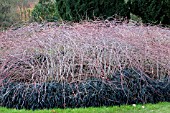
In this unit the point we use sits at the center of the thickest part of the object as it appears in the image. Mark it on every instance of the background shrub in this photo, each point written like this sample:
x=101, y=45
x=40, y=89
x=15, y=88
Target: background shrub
x=45, y=10
x=5, y=13
x=76, y=10
x=152, y=11
x=15, y=11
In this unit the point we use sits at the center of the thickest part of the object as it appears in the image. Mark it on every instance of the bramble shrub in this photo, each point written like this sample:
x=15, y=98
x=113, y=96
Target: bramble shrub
x=152, y=11
x=76, y=10
x=83, y=65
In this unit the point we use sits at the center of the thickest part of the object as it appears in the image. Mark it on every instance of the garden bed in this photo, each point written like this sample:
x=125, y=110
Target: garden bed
x=82, y=65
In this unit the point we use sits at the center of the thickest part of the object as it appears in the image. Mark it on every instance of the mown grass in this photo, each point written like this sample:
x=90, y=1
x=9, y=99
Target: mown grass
x=148, y=108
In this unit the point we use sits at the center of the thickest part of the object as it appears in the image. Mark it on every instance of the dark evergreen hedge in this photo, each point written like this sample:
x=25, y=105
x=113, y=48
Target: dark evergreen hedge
x=76, y=10
x=152, y=11
x=89, y=9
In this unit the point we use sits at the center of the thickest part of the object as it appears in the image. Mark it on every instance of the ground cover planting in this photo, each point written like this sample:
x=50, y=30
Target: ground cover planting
x=83, y=65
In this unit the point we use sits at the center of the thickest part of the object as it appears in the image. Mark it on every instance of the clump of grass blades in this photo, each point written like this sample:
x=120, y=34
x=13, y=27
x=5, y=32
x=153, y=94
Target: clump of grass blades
x=129, y=88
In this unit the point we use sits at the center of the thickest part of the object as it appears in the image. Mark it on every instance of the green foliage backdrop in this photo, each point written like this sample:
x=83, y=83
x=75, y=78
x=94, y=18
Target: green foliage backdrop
x=18, y=11
x=152, y=11
x=45, y=11
x=76, y=10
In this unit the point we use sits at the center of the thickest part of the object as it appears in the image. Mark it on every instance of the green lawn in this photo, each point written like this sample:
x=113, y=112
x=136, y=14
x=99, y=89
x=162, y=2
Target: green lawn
x=148, y=108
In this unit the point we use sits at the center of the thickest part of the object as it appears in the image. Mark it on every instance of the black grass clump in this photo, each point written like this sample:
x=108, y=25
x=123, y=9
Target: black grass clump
x=128, y=86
